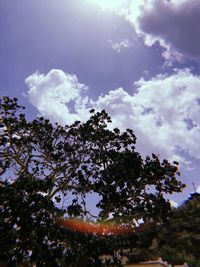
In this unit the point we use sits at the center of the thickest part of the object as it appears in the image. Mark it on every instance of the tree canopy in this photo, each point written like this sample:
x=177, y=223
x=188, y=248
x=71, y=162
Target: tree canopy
x=42, y=163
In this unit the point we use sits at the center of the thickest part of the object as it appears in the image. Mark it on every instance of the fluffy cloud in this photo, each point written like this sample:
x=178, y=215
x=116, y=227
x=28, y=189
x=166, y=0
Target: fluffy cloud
x=164, y=111
x=57, y=96
x=175, y=24
x=172, y=23
x=121, y=45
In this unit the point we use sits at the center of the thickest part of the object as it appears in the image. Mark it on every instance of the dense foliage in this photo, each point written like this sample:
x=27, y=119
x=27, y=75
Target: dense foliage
x=181, y=242
x=42, y=162
x=27, y=226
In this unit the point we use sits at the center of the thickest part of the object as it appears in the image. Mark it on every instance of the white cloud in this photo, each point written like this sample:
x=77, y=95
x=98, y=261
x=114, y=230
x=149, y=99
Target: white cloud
x=129, y=9
x=198, y=189
x=121, y=45
x=172, y=23
x=163, y=112
x=173, y=204
x=111, y=5
x=55, y=93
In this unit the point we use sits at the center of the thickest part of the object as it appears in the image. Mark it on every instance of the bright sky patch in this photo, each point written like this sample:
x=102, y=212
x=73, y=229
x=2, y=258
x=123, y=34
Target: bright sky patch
x=110, y=5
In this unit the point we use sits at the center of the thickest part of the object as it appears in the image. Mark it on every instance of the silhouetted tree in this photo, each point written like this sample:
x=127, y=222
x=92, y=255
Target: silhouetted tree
x=73, y=161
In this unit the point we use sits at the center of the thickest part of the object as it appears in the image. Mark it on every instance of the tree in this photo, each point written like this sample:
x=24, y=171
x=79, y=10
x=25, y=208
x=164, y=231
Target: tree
x=181, y=240
x=82, y=158
x=29, y=233
x=27, y=226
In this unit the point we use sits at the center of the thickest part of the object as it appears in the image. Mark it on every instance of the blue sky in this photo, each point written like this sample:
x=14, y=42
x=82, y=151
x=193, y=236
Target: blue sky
x=138, y=59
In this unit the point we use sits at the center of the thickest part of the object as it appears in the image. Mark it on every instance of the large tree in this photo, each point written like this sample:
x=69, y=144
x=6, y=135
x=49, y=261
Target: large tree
x=83, y=158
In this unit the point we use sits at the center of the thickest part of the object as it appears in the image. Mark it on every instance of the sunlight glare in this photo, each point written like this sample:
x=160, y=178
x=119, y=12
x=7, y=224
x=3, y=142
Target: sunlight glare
x=130, y=9
x=110, y=5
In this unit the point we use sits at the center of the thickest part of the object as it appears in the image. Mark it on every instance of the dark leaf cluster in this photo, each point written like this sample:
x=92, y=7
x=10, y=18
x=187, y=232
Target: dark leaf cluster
x=47, y=164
